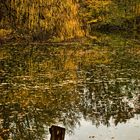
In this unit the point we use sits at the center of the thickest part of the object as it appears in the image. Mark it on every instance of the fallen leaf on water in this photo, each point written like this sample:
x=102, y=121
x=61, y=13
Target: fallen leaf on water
x=91, y=136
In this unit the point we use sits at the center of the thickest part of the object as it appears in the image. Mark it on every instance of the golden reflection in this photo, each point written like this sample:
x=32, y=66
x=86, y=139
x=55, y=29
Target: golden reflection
x=63, y=85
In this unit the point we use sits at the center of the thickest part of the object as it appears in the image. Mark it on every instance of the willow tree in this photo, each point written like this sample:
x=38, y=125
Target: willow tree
x=56, y=18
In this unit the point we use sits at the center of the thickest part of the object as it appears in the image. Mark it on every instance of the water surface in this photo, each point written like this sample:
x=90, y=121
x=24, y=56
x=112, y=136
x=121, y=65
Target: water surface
x=92, y=90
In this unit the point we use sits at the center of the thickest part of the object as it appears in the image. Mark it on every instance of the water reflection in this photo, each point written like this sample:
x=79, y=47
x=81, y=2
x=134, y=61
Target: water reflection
x=45, y=85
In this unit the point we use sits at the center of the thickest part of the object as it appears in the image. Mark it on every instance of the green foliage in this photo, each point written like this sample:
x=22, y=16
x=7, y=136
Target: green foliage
x=65, y=19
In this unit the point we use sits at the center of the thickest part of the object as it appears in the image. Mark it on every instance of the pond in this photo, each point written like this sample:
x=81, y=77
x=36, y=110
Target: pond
x=91, y=89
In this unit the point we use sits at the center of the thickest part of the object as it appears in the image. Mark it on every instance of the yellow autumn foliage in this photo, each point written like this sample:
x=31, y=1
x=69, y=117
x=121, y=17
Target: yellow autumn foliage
x=4, y=32
x=64, y=19
x=57, y=17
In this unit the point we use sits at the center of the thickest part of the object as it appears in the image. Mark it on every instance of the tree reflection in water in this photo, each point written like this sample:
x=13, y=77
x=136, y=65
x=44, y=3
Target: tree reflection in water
x=42, y=85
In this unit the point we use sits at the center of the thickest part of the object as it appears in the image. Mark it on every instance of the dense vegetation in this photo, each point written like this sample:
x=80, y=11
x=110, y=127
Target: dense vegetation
x=65, y=19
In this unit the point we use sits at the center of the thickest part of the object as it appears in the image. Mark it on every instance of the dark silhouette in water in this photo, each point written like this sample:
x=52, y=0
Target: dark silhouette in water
x=1, y=41
x=57, y=133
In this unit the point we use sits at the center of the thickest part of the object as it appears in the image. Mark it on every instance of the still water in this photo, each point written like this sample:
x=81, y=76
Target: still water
x=91, y=89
